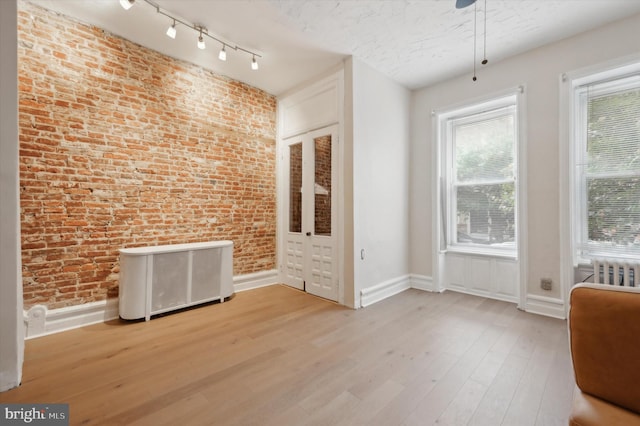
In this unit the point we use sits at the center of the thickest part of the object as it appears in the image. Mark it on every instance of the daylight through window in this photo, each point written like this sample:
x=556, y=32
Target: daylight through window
x=608, y=167
x=480, y=142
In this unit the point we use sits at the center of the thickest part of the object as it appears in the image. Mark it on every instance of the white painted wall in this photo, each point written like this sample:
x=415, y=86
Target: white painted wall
x=539, y=70
x=11, y=317
x=380, y=115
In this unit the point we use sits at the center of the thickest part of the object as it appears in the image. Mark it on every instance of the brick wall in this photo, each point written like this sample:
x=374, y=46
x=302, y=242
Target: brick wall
x=121, y=146
x=322, y=147
x=322, y=170
x=295, y=186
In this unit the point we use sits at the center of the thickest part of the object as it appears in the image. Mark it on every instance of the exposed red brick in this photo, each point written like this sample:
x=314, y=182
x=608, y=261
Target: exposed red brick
x=121, y=146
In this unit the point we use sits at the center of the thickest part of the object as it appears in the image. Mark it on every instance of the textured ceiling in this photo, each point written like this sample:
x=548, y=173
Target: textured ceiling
x=415, y=42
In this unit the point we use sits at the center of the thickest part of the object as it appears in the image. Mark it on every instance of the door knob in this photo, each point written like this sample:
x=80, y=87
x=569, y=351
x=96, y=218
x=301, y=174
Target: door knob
x=308, y=234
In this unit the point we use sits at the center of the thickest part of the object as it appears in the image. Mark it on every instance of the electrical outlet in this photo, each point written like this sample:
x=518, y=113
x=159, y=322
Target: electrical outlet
x=546, y=283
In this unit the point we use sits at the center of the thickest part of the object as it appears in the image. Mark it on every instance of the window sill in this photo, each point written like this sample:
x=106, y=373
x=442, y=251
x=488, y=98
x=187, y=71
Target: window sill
x=613, y=256
x=500, y=254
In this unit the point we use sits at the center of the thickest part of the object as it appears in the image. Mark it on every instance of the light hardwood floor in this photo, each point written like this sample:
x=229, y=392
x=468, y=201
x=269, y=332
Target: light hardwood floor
x=277, y=356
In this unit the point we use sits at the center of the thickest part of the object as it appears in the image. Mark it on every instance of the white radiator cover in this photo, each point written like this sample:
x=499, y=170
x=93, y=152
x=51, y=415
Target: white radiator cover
x=622, y=272
x=159, y=279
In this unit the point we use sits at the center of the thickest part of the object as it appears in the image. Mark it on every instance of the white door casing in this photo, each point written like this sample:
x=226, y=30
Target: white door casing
x=310, y=212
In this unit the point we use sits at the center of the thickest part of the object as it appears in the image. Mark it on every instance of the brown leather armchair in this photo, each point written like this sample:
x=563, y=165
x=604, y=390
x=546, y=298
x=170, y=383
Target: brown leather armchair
x=604, y=336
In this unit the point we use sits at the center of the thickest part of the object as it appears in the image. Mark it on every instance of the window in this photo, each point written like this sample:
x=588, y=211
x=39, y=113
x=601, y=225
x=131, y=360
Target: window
x=606, y=143
x=479, y=143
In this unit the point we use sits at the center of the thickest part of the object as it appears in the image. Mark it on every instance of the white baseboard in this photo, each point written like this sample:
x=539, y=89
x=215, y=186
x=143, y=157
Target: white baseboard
x=40, y=321
x=422, y=282
x=541, y=305
x=547, y=306
x=255, y=280
x=378, y=292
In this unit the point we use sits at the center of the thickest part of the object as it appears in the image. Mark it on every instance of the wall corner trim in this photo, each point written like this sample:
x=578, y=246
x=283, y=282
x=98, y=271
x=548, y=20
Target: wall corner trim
x=423, y=282
x=547, y=306
x=378, y=292
x=255, y=280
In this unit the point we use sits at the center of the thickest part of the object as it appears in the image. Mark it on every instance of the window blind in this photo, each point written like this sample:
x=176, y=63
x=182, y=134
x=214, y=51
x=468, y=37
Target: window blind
x=484, y=177
x=610, y=168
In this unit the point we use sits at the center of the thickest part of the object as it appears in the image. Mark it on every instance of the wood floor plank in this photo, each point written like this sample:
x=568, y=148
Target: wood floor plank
x=369, y=406
x=498, y=397
x=278, y=356
x=174, y=413
x=558, y=393
x=463, y=405
x=415, y=392
x=525, y=404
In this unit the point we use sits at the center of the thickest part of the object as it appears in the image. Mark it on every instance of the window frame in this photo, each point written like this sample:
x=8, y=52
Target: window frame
x=599, y=83
x=475, y=112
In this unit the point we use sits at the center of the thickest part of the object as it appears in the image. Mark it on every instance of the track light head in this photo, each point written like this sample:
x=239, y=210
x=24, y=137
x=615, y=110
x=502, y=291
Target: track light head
x=201, y=44
x=223, y=53
x=126, y=4
x=171, y=31
x=254, y=63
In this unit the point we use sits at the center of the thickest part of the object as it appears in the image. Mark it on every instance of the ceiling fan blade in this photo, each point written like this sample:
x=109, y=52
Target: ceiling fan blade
x=460, y=4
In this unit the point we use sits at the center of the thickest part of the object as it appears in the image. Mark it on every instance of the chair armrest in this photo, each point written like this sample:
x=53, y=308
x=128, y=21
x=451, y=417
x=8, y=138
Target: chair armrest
x=591, y=411
x=604, y=337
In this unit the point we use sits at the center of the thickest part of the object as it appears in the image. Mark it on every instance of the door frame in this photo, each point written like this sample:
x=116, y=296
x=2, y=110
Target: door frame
x=306, y=240
x=314, y=105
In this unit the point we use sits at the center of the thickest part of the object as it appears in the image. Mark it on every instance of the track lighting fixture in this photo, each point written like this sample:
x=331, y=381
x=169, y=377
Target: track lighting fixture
x=171, y=31
x=126, y=4
x=200, y=29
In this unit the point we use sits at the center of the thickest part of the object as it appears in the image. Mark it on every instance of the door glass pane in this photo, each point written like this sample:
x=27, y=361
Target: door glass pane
x=295, y=187
x=322, y=190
